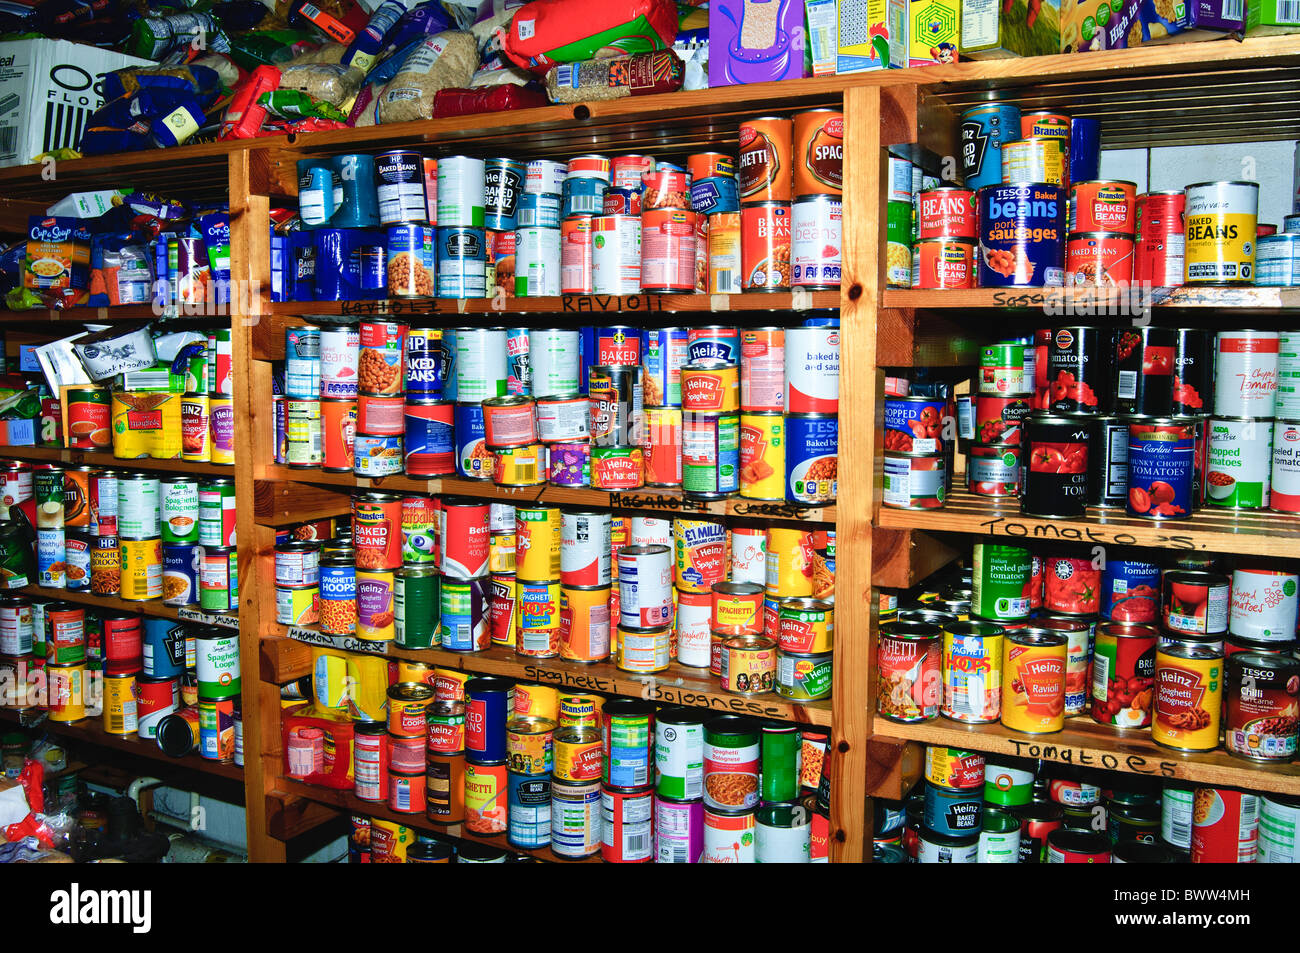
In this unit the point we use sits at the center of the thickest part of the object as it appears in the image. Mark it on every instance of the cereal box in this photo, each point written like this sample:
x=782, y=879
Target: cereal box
x=873, y=35
x=823, y=35
x=995, y=29
x=1099, y=25
x=1272, y=16
x=756, y=41
x=57, y=264
x=932, y=31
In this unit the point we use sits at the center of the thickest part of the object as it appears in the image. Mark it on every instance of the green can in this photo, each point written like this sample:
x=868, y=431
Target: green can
x=1003, y=372
x=1000, y=582
x=679, y=753
x=219, y=579
x=416, y=607
x=179, y=499
x=38, y=626
x=898, y=222
x=710, y=454
x=1000, y=838
x=16, y=569
x=1008, y=782
x=804, y=677
x=781, y=746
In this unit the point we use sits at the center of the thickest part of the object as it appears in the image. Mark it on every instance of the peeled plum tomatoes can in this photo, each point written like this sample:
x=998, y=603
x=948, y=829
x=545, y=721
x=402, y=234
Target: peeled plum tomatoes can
x=946, y=212
x=1144, y=370
x=1196, y=603
x=1160, y=459
x=1098, y=259
x=915, y=424
x=1003, y=369
x=1078, y=369
x=1054, y=466
x=1021, y=236
x=1107, y=462
x=1130, y=590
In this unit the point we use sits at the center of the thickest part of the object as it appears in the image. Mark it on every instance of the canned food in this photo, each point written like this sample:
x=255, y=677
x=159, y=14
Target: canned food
x=1033, y=681
x=910, y=683
x=1220, y=220
x=1188, y=695
x=971, y=672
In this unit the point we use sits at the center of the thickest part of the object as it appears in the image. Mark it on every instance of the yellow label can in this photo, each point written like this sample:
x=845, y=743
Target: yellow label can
x=66, y=691
x=1220, y=221
x=142, y=576
x=762, y=456
x=119, y=705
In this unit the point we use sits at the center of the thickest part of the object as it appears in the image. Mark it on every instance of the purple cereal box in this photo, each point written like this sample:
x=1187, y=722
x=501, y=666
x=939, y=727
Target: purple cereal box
x=756, y=41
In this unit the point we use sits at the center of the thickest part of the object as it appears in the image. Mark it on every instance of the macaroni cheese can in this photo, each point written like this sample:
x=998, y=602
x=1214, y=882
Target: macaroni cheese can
x=1033, y=681
x=1220, y=220
x=1187, y=704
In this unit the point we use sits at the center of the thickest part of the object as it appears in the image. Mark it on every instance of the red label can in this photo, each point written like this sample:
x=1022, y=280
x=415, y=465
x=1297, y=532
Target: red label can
x=464, y=531
x=1225, y=826
x=338, y=428
x=947, y=212
x=1098, y=259
x=668, y=249
x=943, y=263
x=1103, y=206
x=999, y=419
x=765, y=247
x=1161, y=238
x=663, y=446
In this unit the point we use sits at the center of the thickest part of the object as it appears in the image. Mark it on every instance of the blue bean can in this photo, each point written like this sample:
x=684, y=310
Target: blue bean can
x=449, y=364
x=489, y=702
x=518, y=367
x=713, y=343
x=473, y=459
x=333, y=251
x=541, y=211
x=424, y=364
x=714, y=195
x=1130, y=590
x=529, y=819
x=1021, y=236
x=583, y=195
x=503, y=185
x=663, y=352
x=163, y=648
x=1085, y=149
x=302, y=362
x=982, y=132
x=462, y=263
x=182, y=567
x=952, y=812
x=812, y=444
x=621, y=201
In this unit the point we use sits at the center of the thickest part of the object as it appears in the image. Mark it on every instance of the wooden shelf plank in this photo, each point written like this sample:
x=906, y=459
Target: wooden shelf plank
x=91, y=731
x=285, y=504
x=679, y=685
x=1208, y=530
x=1086, y=744
x=1062, y=300
x=149, y=607
x=345, y=800
x=97, y=458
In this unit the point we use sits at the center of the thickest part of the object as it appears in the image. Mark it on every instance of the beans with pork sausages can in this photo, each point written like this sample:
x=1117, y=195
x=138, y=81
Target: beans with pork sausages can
x=1033, y=681
x=1187, y=703
x=1220, y=220
x=1022, y=236
x=1055, y=483
x=910, y=686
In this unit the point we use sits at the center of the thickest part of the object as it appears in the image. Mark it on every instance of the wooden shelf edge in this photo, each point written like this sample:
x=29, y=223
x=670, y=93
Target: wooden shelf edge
x=1086, y=745
x=1067, y=300
x=104, y=459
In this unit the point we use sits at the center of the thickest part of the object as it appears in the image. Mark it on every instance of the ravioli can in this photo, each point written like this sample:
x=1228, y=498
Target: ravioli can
x=1220, y=220
x=1034, y=665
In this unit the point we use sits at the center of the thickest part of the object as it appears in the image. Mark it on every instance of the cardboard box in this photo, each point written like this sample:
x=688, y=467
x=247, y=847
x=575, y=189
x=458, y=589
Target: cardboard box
x=996, y=29
x=1096, y=25
x=932, y=31
x=756, y=41
x=1264, y=17
x=822, y=18
x=1088, y=25
x=873, y=35
x=48, y=89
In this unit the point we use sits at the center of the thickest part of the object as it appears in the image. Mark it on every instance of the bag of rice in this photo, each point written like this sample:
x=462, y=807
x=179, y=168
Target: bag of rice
x=445, y=61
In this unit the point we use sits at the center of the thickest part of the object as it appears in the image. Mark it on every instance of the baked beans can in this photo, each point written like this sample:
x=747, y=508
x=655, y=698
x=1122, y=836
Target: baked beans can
x=1055, y=484
x=488, y=701
x=816, y=235
x=818, y=152
x=1225, y=826
x=1103, y=206
x=1188, y=691
x=1160, y=463
x=1033, y=681
x=615, y=397
x=1161, y=238
x=971, y=672
x=399, y=182
x=812, y=370
x=1220, y=220
x=529, y=803
x=766, y=247
x=714, y=342
x=339, y=356
x=1260, y=704
x=1098, y=259
x=668, y=250
x=943, y=263
x=947, y=212
x=666, y=187
x=811, y=458
x=1022, y=236
x=1034, y=159
x=910, y=686
x=764, y=172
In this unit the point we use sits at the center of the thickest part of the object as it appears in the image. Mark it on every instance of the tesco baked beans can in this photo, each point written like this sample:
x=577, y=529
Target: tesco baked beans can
x=812, y=370
x=765, y=247
x=1021, y=236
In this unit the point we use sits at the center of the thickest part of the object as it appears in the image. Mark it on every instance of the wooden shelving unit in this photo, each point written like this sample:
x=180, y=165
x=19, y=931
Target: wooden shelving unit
x=149, y=607
x=97, y=458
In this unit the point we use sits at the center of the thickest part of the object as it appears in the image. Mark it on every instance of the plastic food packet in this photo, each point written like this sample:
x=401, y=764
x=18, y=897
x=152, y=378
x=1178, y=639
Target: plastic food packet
x=445, y=61
x=245, y=116
x=464, y=102
x=293, y=104
x=637, y=75
x=325, y=53
x=324, y=82
x=546, y=32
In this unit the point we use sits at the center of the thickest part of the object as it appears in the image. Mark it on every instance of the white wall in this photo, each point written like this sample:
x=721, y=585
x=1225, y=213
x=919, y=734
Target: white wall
x=1268, y=163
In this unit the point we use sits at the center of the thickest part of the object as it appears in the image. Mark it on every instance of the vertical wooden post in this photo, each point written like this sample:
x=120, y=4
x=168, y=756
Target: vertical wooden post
x=250, y=280
x=850, y=829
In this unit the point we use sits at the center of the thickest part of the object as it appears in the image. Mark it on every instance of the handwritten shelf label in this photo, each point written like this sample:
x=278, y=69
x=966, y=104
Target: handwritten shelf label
x=209, y=618
x=1084, y=533
x=347, y=643
x=1083, y=757
x=581, y=304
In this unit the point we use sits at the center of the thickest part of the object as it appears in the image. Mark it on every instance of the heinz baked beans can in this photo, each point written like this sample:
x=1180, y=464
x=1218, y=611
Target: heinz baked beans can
x=983, y=130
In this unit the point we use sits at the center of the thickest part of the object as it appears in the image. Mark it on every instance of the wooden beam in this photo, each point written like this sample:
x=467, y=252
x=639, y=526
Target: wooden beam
x=284, y=660
x=904, y=557
x=893, y=767
x=279, y=504
x=288, y=816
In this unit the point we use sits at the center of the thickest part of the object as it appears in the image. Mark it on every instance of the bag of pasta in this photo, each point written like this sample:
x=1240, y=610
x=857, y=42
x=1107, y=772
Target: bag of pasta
x=445, y=61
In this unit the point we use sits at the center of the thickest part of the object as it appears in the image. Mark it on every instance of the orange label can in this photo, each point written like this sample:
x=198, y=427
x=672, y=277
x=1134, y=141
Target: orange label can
x=663, y=446
x=535, y=701
x=485, y=798
x=818, y=152
x=578, y=754
x=584, y=623
x=1187, y=704
x=789, y=563
x=724, y=253
x=943, y=263
x=581, y=711
x=711, y=386
x=1103, y=206
x=764, y=171
x=338, y=429
x=762, y=456
x=737, y=608
x=765, y=247
x=1033, y=681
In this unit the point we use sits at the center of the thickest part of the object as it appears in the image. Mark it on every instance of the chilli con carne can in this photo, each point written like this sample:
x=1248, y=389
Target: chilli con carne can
x=1260, y=705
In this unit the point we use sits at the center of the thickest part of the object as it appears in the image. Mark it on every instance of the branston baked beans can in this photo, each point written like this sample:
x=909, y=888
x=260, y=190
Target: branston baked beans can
x=909, y=687
x=943, y=263
x=1033, y=681
x=765, y=247
x=971, y=670
x=1220, y=219
x=1188, y=695
x=1103, y=206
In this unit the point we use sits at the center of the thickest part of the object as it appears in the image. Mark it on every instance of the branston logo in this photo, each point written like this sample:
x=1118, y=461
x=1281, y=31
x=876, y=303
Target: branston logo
x=75, y=906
